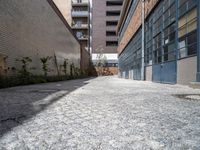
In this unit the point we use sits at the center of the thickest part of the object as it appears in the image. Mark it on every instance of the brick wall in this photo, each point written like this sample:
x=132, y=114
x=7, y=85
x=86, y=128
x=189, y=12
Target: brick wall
x=31, y=28
x=135, y=22
x=107, y=71
x=149, y=5
x=85, y=60
x=132, y=28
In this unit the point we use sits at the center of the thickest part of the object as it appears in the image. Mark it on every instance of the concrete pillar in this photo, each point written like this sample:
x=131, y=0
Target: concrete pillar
x=198, y=44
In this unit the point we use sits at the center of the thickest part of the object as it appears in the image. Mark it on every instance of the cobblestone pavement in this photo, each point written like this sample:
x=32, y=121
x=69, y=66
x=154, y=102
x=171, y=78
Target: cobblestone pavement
x=102, y=113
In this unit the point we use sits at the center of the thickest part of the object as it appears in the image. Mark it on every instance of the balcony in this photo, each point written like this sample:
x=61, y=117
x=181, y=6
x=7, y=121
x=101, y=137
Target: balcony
x=80, y=26
x=80, y=3
x=80, y=14
x=83, y=37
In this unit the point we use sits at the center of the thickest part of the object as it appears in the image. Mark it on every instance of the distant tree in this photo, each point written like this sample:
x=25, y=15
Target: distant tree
x=101, y=61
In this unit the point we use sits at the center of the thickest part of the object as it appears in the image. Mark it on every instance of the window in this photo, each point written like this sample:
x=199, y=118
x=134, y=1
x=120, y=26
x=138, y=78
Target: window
x=169, y=31
x=167, y=4
x=114, y=3
x=192, y=43
x=186, y=5
x=169, y=15
x=188, y=23
x=188, y=45
x=111, y=65
x=130, y=58
x=157, y=47
x=187, y=33
x=80, y=9
x=111, y=23
x=112, y=13
x=79, y=34
x=169, y=34
x=169, y=52
x=111, y=43
x=148, y=41
x=110, y=33
x=158, y=19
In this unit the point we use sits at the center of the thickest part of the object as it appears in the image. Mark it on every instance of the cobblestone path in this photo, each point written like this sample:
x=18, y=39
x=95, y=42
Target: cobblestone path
x=102, y=113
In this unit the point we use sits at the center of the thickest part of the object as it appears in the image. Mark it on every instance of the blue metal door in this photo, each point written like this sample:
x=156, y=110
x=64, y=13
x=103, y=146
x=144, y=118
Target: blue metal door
x=165, y=72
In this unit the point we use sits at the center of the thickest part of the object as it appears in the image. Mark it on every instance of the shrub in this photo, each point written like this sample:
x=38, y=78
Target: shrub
x=25, y=61
x=45, y=63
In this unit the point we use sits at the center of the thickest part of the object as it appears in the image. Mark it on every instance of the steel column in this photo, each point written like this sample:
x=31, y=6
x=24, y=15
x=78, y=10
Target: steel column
x=198, y=44
x=143, y=26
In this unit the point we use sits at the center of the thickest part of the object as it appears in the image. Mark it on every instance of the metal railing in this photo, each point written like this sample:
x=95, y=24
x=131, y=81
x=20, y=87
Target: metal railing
x=80, y=13
x=79, y=1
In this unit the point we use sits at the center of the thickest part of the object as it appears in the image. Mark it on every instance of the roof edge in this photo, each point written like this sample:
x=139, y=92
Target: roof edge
x=60, y=15
x=124, y=11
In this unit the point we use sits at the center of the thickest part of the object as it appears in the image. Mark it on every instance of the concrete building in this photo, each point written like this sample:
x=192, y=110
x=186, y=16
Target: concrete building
x=158, y=40
x=65, y=7
x=81, y=21
x=35, y=29
x=77, y=14
x=105, y=16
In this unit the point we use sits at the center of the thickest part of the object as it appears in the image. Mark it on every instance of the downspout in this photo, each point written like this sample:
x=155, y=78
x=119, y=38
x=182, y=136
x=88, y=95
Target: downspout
x=198, y=44
x=143, y=27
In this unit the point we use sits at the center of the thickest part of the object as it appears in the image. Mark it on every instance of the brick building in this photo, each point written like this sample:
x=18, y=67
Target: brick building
x=35, y=29
x=105, y=16
x=158, y=40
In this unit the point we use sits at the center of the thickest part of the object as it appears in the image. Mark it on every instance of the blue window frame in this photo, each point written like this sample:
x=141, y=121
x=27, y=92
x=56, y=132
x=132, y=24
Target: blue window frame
x=148, y=41
x=131, y=58
x=187, y=28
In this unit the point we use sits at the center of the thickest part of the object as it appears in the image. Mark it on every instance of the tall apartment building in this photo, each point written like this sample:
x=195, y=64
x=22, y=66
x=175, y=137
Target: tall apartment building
x=159, y=40
x=77, y=14
x=81, y=21
x=105, y=16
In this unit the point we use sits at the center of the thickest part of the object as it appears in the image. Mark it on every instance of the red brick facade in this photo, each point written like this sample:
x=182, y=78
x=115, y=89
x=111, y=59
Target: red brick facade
x=135, y=22
x=107, y=71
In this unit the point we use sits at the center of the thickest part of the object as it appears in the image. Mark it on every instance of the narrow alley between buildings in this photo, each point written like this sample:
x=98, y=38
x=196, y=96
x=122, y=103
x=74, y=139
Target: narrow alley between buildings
x=100, y=113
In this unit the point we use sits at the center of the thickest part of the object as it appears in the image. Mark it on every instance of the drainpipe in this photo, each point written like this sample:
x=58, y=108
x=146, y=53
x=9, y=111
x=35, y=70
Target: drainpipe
x=198, y=44
x=143, y=27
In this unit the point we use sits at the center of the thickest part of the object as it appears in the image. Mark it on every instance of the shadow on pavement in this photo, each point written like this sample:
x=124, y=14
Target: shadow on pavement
x=18, y=104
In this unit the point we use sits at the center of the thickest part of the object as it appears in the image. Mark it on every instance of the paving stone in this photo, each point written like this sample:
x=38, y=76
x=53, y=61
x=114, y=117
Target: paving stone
x=108, y=113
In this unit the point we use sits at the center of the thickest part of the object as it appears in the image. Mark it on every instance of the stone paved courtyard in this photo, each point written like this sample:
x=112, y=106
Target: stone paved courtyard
x=99, y=113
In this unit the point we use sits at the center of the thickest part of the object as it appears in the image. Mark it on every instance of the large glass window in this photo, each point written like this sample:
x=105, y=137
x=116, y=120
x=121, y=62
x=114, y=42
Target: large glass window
x=111, y=43
x=188, y=45
x=187, y=32
x=169, y=34
x=186, y=5
x=170, y=13
x=157, y=34
x=131, y=58
x=148, y=41
x=158, y=19
x=169, y=31
x=157, y=46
